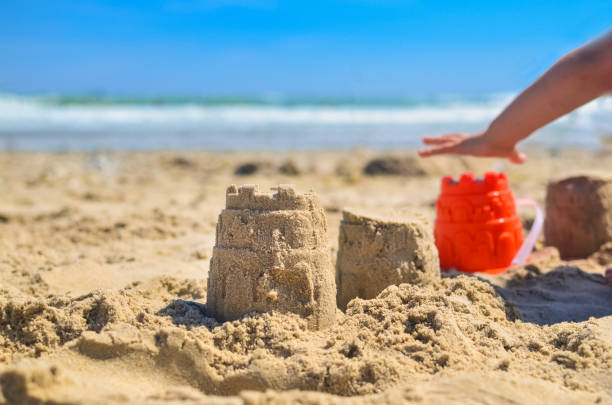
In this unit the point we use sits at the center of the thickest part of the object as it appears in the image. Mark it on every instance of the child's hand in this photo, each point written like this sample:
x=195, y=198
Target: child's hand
x=479, y=144
x=576, y=79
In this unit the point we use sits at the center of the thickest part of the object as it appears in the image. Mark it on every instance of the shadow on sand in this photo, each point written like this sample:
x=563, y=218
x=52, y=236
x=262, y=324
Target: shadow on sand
x=189, y=314
x=564, y=294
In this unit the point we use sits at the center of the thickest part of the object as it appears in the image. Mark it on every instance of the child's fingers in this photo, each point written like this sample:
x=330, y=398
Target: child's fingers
x=517, y=157
x=438, y=140
x=440, y=150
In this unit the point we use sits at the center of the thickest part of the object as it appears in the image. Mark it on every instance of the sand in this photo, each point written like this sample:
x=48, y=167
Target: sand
x=582, y=203
x=377, y=251
x=104, y=264
x=271, y=254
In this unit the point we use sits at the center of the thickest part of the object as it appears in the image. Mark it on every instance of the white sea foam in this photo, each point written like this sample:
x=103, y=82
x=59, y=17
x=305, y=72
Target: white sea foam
x=19, y=112
x=27, y=120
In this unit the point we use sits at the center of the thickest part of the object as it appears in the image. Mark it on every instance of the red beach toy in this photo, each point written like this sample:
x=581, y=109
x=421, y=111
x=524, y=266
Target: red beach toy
x=477, y=227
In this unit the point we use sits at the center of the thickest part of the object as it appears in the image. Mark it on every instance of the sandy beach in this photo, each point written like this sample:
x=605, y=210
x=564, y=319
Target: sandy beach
x=104, y=260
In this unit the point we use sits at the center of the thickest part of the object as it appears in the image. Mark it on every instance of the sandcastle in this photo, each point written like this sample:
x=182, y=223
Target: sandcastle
x=579, y=214
x=375, y=252
x=271, y=254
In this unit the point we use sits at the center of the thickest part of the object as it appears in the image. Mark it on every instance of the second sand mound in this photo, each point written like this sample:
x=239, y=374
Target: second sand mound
x=377, y=251
x=579, y=214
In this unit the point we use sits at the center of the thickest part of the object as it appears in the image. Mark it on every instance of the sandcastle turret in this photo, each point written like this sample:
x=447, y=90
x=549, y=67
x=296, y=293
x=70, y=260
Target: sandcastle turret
x=376, y=251
x=271, y=255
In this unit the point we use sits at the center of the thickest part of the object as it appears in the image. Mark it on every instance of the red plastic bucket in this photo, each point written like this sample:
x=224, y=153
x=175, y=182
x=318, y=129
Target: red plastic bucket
x=477, y=227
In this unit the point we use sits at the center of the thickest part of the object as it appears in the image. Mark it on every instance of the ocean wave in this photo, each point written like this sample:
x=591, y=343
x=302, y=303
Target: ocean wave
x=264, y=121
x=28, y=112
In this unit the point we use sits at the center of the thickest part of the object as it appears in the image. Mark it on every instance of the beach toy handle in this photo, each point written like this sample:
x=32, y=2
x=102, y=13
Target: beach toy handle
x=523, y=254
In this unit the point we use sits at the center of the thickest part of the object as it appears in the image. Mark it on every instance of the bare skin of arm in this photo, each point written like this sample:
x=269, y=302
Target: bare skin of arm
x=579, y=77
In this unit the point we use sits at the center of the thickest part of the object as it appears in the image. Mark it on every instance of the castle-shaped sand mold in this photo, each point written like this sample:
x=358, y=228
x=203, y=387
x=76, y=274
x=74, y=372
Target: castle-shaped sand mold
x=271, y=255
x=375, y=252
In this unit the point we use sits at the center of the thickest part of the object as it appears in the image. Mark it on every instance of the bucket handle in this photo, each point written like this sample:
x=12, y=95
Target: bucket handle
x=523, y=254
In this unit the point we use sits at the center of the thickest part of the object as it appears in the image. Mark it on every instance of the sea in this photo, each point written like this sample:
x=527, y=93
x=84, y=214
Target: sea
x=52, y=122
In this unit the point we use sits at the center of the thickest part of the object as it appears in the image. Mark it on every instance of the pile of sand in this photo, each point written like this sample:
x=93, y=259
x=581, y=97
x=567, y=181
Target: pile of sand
x=453, y=325
x=376, y=251
x=582, y=203
x=104, y=286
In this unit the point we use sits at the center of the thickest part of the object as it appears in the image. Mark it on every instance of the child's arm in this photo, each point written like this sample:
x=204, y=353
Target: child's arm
x=579, y=77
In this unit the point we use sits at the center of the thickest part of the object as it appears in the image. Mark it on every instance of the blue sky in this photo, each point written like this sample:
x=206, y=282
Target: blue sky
x=258, y=47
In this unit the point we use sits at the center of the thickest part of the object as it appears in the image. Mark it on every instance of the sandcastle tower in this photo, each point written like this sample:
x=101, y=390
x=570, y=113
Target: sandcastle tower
x=375, y=252
x=579, y=214
x=271, y=254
